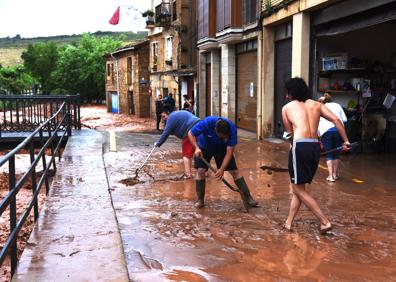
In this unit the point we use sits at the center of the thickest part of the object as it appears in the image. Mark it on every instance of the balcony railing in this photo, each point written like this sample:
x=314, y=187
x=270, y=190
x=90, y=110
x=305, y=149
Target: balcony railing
x=163, y=14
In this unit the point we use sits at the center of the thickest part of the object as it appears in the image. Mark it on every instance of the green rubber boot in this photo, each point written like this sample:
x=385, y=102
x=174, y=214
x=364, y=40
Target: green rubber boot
x=245, y=190
x=200, y=189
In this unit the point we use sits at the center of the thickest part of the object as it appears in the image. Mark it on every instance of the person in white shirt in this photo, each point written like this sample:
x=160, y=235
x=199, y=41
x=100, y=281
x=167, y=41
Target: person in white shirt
x=330, y=137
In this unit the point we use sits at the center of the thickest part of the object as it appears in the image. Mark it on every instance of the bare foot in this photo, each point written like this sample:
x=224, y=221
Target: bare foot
x=287, y=227
x=324, y=228
x=187, y=176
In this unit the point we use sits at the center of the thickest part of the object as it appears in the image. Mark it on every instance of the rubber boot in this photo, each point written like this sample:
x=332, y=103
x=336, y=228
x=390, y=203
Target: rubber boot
x=200, y=189
x=245, y=190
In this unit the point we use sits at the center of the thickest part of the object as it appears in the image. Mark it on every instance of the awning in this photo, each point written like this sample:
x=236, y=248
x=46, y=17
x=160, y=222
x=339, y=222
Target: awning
x=369, y=18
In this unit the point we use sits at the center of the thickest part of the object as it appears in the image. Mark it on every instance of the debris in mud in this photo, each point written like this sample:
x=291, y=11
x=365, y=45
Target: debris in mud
x=130, y=181
x=270, y=168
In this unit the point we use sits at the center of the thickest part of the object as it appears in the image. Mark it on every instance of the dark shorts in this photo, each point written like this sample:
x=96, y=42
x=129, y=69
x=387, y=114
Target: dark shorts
x=303, y=160
x=218, y=156
x=330, y=140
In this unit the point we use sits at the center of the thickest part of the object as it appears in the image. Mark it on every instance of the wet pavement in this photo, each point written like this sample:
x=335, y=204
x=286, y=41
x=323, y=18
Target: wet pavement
x=76, y=237
x=151, y=231
x=166, y=238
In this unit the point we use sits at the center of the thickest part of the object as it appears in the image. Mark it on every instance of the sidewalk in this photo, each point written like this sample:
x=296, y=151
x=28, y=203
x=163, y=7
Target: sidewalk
x=76, y=237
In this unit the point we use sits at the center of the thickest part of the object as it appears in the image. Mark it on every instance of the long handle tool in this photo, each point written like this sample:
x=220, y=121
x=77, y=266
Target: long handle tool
x=284, y=169
x=144, y=163
x=339, y=148
x=243, y=197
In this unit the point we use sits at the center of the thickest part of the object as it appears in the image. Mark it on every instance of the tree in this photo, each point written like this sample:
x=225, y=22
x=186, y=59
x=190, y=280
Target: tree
x=40, y=60
x=81, y=68
x=15, y=80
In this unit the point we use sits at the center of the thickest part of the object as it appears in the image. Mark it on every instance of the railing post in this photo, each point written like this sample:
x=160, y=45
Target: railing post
x=17, y=112
x=78, y=111
x=44, y=163
x=52, y=147
x=68, y=118
x=13, y=219
x=75, y=112
x=34, y=183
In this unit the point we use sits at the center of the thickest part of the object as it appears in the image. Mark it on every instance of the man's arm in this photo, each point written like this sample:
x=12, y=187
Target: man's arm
x=229, y=153
x=164, y=136
x=287, y=124
x=327, y=114
x=193, y=141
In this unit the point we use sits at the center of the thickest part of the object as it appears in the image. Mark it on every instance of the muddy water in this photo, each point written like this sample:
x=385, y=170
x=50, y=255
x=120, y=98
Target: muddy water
x=165, y=238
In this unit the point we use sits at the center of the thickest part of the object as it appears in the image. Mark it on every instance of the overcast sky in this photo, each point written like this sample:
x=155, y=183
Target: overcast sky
x=33, y=18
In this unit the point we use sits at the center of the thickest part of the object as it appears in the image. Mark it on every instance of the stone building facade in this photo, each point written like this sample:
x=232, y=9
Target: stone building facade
x=172, y=35
x=127, y=80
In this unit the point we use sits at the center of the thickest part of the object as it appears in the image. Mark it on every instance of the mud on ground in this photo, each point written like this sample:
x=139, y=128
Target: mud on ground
x=166, y=238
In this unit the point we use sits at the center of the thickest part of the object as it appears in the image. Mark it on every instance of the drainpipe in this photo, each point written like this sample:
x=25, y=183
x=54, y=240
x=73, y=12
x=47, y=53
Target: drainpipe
x=117, y=82
x=260, y=79
x=260, y=87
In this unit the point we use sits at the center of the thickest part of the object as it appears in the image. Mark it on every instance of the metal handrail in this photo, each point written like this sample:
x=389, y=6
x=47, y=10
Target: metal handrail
x=53, y=142
x=24, y=113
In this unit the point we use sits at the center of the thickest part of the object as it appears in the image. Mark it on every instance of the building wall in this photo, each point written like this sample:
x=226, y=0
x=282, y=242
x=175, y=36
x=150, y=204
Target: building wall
x=136, y=88
x=141, y=83
x=184, y=56
x=299, y=13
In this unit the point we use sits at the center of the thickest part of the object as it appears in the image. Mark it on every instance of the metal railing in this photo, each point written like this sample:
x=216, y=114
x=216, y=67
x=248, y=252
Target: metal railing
x=163, y=13
x=25, y=113
x=61, y=120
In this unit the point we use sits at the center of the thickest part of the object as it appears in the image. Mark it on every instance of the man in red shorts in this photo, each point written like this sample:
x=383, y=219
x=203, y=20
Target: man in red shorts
x=178, y=123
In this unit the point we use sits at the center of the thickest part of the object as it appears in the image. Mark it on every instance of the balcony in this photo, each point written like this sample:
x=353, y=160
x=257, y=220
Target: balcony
x=163, y=15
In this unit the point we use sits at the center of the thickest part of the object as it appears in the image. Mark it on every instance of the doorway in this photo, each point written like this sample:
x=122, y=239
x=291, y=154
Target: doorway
x=283, y=64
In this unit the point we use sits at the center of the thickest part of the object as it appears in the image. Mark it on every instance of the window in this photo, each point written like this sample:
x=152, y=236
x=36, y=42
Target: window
x=174, y=10
x=249, y=11
x=129, y=70
x=168, y=48
x=110, y=72
x=155, y=53
x=247, y=46
x=283, y=31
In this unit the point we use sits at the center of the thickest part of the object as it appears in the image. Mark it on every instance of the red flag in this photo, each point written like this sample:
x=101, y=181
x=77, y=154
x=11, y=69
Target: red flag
x=116, y=17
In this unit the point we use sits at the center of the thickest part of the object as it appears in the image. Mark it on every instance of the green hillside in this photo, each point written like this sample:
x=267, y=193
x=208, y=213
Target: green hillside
x=11, y=48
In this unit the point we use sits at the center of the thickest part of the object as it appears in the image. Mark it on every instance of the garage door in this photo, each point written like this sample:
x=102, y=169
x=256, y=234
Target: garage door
x=247, y=90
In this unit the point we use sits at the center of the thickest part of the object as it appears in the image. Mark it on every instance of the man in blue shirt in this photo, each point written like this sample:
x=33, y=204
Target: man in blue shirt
x=179, y=123
x=216, y=137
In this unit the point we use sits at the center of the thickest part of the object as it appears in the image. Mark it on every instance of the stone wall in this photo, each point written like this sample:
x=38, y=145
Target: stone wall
x=133, y=97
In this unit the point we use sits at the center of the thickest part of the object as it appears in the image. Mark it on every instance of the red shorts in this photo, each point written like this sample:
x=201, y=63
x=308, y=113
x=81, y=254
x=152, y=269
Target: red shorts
x=187, y=148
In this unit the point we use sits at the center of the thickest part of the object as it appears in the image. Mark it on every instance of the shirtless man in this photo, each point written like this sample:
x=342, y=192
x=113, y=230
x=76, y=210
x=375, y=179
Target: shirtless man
x=300, y=119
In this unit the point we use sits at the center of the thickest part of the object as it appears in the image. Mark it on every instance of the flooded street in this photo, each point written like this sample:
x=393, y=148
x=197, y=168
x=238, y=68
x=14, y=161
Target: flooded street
x=166, y=238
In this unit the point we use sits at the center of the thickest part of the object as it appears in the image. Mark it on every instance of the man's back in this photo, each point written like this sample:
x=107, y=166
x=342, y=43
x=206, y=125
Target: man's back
x=303, y=117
